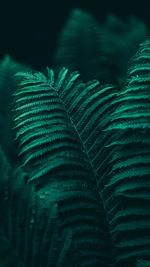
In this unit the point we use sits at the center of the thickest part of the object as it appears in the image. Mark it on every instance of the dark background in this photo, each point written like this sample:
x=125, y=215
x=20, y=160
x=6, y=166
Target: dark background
x=29, y=29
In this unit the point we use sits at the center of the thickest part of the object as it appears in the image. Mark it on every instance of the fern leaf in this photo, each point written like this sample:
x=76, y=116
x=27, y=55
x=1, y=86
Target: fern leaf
x=30, y=232
x=8, y=84
x=127, y=192
x=52, y=150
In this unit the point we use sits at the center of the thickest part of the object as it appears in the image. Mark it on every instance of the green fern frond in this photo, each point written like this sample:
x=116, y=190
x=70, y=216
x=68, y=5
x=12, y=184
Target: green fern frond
x=90, y=106
x=53, y=131
x=30, y=232
x=55, y=156
x=126, y=194
x=8, y=84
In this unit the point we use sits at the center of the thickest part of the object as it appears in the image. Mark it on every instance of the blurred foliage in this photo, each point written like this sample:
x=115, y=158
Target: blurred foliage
x=74, y=150
x=99, y=51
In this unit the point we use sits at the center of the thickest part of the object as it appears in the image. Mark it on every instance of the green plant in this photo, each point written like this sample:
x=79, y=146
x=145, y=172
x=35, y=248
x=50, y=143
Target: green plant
x=78, y=194
x=98, y=51
x=30, y=232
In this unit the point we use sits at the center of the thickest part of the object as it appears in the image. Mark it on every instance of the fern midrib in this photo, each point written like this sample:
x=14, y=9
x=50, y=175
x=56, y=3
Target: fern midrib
x=84, y=149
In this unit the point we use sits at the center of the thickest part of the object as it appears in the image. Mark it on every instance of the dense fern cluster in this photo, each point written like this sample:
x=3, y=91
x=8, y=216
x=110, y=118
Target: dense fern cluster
x=75, y=150
x=98, y=51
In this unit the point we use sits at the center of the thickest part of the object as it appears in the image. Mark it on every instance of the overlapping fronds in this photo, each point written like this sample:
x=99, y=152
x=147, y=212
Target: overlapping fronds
x=30, y=232
x=56, y=158
x=81, y=195
x=98, y=50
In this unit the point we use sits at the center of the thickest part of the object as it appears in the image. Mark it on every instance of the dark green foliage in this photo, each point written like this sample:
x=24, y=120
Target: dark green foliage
x=79, y=45
x=80, y=194
x=119, y=42
x=55, y=155
x=143, y=263
x=30, y=232
x=8, y=84
x=98, y=50
x=4, y=167
x=127, y=194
